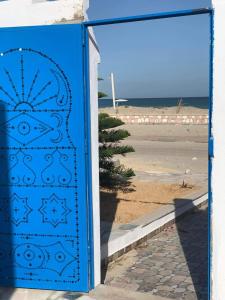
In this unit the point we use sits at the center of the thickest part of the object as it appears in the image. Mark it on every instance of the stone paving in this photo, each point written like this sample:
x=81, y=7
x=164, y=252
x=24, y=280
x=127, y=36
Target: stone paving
x=172, y=264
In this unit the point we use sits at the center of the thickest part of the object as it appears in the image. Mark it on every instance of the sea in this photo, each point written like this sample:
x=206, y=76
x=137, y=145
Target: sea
x=198, y=102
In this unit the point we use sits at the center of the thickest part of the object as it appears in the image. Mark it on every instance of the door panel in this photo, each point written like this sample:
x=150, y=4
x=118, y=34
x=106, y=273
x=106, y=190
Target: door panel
x=43, y=205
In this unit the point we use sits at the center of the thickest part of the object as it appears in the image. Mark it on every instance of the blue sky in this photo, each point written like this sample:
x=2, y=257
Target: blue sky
x=163, y=58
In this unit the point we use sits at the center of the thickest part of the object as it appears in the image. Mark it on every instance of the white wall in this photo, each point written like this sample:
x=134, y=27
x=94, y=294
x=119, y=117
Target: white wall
x=94, y=60
x=41, y=12
x=218, y=174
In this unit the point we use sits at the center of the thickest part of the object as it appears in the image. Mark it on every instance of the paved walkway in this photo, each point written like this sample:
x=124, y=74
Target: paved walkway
x=102, y=292
x=172, y=264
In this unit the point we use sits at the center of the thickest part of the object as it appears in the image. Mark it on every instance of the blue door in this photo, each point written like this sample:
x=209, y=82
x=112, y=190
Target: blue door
x=43, y=185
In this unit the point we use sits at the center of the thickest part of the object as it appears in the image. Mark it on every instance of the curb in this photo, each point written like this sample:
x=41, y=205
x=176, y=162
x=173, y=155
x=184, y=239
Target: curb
x=128, y=236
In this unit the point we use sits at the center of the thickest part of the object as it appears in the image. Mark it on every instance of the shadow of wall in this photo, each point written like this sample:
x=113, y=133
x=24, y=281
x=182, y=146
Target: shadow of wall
x=108, y=205
x=193, y=235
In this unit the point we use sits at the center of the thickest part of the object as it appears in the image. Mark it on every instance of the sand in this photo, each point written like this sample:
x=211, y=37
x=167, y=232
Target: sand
x=119, y=207
x=165, y=156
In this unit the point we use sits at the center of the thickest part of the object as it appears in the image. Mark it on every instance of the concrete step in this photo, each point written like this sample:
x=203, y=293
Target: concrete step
x=103, y=292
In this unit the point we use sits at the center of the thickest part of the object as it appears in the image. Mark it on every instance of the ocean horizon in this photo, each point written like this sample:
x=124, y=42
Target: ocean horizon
x=198, y=102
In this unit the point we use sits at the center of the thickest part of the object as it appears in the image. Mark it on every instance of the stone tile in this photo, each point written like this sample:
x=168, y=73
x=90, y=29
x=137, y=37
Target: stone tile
x=172, y=264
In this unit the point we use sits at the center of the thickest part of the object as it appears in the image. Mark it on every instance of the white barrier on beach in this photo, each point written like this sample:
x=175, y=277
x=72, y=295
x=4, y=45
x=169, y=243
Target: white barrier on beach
x=164, y=119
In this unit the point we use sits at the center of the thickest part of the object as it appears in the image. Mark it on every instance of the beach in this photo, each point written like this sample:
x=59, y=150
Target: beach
x=170, y=162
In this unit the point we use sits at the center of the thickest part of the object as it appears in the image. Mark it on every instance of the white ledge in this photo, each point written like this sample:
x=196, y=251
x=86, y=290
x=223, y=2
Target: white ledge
x=126, y=235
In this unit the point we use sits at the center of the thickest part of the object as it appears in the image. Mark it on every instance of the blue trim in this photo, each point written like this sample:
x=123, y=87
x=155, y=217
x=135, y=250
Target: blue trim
x=155, y=16
x=88, y=156
x=211, y=151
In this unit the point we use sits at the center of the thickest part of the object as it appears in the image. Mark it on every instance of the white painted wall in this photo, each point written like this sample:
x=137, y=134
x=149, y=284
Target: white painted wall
x=218, y=174
x=94, y=60
x=41, y=12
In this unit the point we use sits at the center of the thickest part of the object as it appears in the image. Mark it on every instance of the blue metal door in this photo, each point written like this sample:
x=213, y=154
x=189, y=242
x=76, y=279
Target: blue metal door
x=43, y=185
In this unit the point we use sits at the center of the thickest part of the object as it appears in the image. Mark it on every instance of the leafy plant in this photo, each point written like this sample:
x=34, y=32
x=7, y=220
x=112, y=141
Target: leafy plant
x=101, y=95
x=113, y=175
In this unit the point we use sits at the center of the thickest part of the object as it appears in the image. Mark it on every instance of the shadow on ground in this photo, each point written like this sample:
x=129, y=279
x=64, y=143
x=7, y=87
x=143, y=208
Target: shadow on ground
x=109, y=202
x=173, y=263
x=106, y=227
x=194, y=241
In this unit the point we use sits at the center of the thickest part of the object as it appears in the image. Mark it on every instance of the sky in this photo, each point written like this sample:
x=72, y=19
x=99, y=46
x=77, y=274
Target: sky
x=161, y=58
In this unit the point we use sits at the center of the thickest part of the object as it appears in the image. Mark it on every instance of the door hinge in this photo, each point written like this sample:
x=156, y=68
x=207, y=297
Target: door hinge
x=211, y=147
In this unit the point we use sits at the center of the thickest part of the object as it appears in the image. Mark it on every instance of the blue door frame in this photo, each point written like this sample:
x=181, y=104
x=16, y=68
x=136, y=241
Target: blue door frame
x=28, y=242
x=157, y=16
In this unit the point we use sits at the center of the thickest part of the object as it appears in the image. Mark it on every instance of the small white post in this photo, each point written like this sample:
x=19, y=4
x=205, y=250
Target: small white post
x=113, y=91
